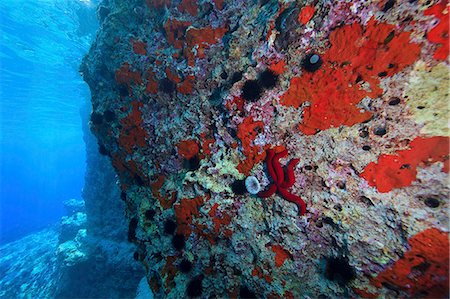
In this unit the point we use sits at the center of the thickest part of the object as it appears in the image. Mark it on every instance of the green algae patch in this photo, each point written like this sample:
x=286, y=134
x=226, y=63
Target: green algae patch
x=428, y=98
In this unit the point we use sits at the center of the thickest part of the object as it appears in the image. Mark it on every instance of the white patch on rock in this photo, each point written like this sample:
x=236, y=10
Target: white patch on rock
x=252, y=185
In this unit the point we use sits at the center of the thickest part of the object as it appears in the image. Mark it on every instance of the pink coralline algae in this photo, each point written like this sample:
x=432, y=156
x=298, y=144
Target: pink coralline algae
x=205, y=92
x=281, y=182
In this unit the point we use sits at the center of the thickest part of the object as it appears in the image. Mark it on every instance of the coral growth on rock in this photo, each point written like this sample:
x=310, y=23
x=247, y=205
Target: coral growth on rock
x=205, y=90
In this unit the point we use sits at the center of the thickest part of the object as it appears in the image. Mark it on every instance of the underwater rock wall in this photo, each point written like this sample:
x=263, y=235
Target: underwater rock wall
x=86, y=255
x=93, y=250
x=29, y=266
x=332, y=114
x=104, y=208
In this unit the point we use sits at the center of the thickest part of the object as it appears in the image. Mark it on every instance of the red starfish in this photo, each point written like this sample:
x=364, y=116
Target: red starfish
x=280, y=182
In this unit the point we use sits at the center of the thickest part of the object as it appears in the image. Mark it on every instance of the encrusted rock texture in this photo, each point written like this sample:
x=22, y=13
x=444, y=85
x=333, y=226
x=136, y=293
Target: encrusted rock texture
x=86, y=255
x=190, y=96
x=93, y=250
x=29, y=266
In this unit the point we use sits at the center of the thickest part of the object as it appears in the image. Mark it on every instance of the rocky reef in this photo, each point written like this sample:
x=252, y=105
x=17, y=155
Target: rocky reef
x=29, y=266
x=87, y=254
x=93, y=250
x=278, y=149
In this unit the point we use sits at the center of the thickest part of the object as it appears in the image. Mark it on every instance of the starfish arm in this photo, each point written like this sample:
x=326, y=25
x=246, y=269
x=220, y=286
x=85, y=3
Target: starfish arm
x=277, y=166
x=269, y=192
x=289, y=178
x=269, y=157
x=295, y=199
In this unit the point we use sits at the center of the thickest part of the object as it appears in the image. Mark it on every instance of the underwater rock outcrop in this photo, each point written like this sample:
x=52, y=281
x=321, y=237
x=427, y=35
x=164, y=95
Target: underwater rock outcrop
x=95, y=252
x=87, y=254
x=189, y=96
x=29, y=266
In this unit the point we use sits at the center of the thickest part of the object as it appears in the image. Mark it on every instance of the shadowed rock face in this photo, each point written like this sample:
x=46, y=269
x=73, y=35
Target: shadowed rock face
x=184, y=112
x=97, y=255
x=87, y=255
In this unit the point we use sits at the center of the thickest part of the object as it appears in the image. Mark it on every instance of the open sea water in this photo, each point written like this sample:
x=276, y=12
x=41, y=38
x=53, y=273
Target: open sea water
x=42, y=155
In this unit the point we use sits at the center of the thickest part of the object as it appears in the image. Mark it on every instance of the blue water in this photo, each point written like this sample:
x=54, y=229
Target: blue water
x=42, y=152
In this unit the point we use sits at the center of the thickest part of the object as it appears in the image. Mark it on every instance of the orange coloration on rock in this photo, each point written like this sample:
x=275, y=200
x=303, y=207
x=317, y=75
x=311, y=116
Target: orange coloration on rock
x=152, y=84
x=172, y=76
x=271, y=26
x=154, y=283
x=169, y=271
x=288, y=295
x=439, y=33
x=400, y=170
x=278, y=67
x=139, y=47
x=195, y=40
x=124, y=76
x=164, y=201
x=188, y=148
x=423, y=270
x=185, y=211
x=278, y=148
x=220, y=220
x=132, y=134
x=247, y=132
x=206, y=145
x=199, y=39
x=189, y=6
x=203, y=231
x=365, y=294
x=136, y=169
x=118, y=164
x=372, y=52
x=258, y=272
x=246, y=165
x=235, y=103
x=206, y=35
x=333, y=100
x=158, y=3
x=176, y=32
x=187, y=85
x=281, y=254
x=219, y=4
x=306, y=14
x=356, y=55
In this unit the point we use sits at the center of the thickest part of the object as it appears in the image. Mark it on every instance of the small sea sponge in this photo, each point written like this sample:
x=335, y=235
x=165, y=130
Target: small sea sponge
x=252, y=185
